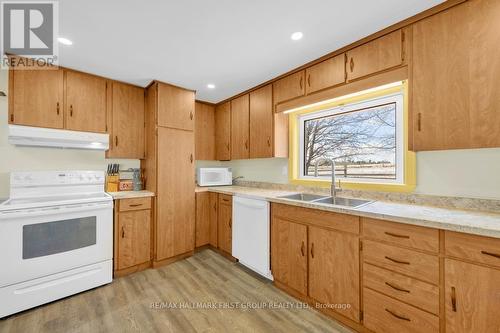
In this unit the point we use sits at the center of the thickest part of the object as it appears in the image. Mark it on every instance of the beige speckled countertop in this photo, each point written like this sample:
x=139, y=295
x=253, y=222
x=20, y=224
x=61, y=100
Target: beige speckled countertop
x=473, y=222
x=131, y=194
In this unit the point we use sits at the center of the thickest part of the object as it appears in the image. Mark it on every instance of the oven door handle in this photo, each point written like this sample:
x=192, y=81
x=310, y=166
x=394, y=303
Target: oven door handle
x=54, y=210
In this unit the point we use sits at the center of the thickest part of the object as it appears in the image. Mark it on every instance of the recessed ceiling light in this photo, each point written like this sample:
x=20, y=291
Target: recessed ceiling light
x=211, y=86
x=297, y=35
x=64, y=41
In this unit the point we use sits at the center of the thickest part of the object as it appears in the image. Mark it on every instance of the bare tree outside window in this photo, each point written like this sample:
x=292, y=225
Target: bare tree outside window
x=362, y=143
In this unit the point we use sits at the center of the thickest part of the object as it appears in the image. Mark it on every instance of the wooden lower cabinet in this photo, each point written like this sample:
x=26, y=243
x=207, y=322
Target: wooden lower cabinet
x=386, y=315
x=289, y=254
x=132, y=235
x=206, y=219
x=225, y=223
x=213, y=237
x=334, y=270
x=472, y=297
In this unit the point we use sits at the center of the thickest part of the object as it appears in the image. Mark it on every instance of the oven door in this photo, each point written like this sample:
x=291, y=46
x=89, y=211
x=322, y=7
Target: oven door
x=44, y=241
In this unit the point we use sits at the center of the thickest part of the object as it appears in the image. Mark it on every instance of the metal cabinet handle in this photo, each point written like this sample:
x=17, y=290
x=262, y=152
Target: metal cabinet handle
x=57, y=108
x=419, y=122
x=491, y=254
x=312, y=250
x=268, y=141
x=123, y=232
x=397, y=261
x=230, y=223
x=227, y=146
x=397, y=316
x=453, y=299
x=300, y=83
x=246, y=144
x=351, y=64
x=309, y=80
x=116, y=140
x=302, y=249
x=135, y=205
x=191, y=115
x=396, y=235
x=397, y=288
x=71, y=110
x=191, y=158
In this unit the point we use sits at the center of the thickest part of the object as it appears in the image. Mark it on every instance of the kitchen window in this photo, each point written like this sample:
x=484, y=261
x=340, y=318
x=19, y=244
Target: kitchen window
x=365, y=138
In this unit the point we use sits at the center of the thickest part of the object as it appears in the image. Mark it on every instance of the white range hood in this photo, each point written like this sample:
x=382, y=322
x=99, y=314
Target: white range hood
x=47, y=137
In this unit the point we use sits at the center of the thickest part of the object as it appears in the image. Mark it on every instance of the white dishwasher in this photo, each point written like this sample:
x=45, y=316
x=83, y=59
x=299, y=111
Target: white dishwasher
x=252, y=234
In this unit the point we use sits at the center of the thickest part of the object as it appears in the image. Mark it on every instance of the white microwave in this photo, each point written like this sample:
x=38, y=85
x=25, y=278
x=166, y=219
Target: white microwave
x=214, y=176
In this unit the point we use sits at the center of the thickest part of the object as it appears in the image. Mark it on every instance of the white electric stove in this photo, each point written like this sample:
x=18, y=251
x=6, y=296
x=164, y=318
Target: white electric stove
x=56, y=237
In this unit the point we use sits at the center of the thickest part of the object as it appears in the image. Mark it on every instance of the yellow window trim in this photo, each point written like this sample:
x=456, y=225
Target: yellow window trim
x=410, y=174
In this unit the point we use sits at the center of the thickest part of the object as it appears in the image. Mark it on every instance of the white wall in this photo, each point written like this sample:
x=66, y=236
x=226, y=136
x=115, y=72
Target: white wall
x=14, y=158
x=463, y=173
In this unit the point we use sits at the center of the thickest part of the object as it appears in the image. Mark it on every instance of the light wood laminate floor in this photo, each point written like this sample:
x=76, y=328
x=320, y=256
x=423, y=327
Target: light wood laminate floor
x=134, y=304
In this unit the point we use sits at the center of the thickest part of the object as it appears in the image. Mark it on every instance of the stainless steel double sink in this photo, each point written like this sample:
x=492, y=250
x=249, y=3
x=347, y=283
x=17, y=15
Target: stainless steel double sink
x=321, y=199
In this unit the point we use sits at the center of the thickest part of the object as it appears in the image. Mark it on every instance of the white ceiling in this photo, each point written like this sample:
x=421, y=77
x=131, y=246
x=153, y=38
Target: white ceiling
x=234, y=44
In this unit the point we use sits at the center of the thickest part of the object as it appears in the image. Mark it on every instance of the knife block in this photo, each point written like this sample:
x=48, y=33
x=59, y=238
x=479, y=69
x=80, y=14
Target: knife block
x=112, y=183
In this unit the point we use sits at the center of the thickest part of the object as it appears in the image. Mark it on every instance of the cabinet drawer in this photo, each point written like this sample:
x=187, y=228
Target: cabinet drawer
x=481, y=249
x=420, y=294
x=320, y=218
x=415, y=264
x=134, y=204
x=402, y=234
x=225, y=199
x=387, y=315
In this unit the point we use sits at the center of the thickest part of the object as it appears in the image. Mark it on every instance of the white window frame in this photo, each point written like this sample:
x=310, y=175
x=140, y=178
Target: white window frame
x=397, y=98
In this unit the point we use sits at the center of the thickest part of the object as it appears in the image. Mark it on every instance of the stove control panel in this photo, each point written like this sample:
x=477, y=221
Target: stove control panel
x=54, y=178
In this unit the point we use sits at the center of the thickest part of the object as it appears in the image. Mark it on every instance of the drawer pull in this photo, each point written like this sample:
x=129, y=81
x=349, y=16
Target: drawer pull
x=302, y=249
x=123, y=232
x=225, y=200
x=453, y=299
x=396, y=235
x=491, y=254
x=135, y=205
x=397, y=261
x=397, y=288
x=398, y=316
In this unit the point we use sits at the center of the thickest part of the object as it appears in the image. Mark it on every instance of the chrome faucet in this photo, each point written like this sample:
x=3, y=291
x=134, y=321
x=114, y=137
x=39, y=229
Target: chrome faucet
x=333, y=189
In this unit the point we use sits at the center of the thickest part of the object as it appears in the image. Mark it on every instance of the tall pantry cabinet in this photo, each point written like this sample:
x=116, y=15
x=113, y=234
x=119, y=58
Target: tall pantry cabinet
x=169, y=168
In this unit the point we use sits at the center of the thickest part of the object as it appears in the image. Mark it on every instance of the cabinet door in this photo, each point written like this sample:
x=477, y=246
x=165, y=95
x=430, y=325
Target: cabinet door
x=325, y=74
x=289, y=254
x=134, y=238
x=175, y=107
x=472, y=297
x=127, y=140
x=223, y=132
x=289, y=87
x=261, y=122
x=85, y=102
x=334, y=269
x=240, y=128
x=454, y=78
x=176, y=196
x=225, y=225
x=37, y=98
x=203, y=214
x=375, y=56
x=204, y=131
x=214, y=197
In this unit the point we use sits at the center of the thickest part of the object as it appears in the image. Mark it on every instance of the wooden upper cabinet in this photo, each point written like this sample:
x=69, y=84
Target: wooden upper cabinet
x=223, y=132
x=175, y=107
x=261, y=122
x=289, y=87
x=455, y=69
x=204, y=131
x=289, y=254
x=375, y=56
x=127, y=125
x=240, y=128
x=471, y=297
x=36, y=98
x=325, y=74
x=334, y=269
x=85, y=107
